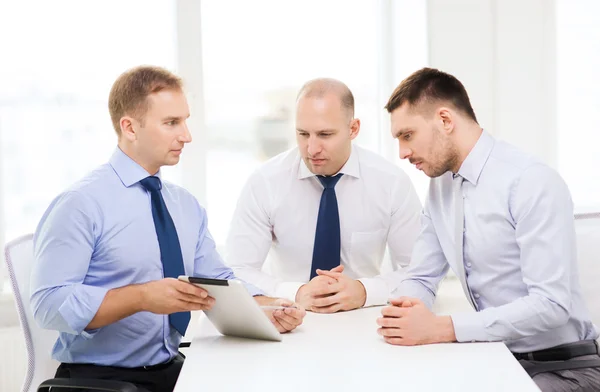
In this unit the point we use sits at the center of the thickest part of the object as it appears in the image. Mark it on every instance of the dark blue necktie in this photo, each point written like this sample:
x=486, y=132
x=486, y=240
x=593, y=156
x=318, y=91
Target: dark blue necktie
x=326, y=253
x=168, y=241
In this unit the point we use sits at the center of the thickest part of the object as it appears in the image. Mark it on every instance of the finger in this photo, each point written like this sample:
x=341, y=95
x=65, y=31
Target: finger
x=326, y=290
x=331, y=274
x=185, y=306
x=395, y=311
x=276, y=323
x=327, y=301
x=283, y=302
x=388, y=322
x=394, y=341
x=197, y=300
x=321, y=279
x=399, y=301
x=286, y=320
x=339, y=268
x=191, y=289
x=297, y=314
x=403, y=341
x=391, y=332
x=327, y=309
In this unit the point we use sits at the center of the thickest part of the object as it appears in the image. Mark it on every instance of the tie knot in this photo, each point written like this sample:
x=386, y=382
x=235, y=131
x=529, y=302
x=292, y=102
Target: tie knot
x=151, y=183
x=329, y=182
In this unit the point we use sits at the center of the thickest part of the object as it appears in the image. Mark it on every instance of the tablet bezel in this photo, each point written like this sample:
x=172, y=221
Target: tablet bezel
x=235, y=312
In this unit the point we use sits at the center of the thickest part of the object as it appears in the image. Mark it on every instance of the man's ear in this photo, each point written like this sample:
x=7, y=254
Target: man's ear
x=354, y=128
x=446, y=117
x=129, y=127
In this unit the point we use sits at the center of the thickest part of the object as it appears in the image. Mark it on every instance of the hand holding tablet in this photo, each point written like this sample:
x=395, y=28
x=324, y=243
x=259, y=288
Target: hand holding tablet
x=236, y=313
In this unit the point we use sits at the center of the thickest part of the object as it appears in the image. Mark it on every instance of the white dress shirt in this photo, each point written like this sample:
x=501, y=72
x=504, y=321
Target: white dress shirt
x=513, y=249
x=278, y=208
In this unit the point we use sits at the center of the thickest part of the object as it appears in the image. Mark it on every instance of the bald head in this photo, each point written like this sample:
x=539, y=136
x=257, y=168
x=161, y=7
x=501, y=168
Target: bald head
x=322, y=87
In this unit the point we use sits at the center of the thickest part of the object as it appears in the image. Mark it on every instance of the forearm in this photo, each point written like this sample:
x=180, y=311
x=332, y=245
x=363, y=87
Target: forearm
x=523, y=317
x=118, y=304
x=263, y=300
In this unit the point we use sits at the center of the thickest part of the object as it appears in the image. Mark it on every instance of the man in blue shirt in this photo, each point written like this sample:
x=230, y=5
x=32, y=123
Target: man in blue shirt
x=503, y=221
x=108, y=250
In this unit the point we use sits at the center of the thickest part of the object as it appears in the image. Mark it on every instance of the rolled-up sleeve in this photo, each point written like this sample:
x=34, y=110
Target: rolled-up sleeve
x=63, y=247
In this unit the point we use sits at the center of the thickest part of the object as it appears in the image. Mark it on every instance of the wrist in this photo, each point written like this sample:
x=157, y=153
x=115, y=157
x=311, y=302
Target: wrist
x=299, y=293
x=362, y=297
x=141, y=297
x=445, y=330
x=264, y=300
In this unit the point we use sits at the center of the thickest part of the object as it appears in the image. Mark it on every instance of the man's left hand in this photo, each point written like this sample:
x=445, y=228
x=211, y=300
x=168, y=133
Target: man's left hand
x=287, y=319
x=408, y=322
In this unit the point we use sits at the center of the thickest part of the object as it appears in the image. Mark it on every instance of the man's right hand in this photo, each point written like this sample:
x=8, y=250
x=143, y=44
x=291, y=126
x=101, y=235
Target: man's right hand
x=318, y=287
x=170, y=295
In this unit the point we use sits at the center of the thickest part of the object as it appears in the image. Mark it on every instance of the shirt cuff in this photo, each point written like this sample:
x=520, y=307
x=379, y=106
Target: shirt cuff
x=80, y=307
x=288, y=290
x=252, y=289
x=415, y=289
x=469, y=327
x=377, y=291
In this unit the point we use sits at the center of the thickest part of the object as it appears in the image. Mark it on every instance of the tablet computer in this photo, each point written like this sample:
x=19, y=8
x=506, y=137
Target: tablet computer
x=235, y=312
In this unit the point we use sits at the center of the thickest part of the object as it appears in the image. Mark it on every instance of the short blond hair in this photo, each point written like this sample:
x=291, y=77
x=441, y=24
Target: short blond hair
x=129, y=93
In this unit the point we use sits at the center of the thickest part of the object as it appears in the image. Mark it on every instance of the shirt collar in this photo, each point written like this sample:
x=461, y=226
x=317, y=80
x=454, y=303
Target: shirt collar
x=474, y=163
x=350, y=168
x=128, y=171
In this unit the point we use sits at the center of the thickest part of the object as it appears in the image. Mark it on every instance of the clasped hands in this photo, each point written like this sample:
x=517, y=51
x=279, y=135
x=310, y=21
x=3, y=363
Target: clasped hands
x=331, y=291
x=408, y=322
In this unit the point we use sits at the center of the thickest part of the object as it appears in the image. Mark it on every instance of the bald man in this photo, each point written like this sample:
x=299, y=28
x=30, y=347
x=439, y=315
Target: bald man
x=326, y=210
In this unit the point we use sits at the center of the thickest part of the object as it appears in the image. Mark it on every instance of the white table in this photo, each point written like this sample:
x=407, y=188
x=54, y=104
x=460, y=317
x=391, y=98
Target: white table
x=343, y=352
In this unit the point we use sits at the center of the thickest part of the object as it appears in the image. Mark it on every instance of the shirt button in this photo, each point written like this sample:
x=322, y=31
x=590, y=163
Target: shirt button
x=468, y=265
x=464, y=229
x=476, y=295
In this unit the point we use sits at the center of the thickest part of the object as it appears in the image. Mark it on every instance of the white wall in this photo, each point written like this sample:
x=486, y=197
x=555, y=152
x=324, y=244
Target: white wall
x=504, y=52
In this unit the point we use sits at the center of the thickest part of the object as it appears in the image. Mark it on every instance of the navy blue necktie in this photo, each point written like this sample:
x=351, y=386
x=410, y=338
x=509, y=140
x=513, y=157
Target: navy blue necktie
x=326, y=253
x=168, y=241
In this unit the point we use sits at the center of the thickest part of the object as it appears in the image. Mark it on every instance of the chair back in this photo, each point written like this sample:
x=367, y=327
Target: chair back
x=39, y=342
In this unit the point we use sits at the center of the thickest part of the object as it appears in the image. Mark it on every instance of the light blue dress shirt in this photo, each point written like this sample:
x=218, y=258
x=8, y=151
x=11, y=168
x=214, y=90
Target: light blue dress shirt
x=100, y=235
x=518, y=265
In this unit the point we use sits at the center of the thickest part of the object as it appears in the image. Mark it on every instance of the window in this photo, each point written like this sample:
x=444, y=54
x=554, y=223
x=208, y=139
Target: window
x=578, y=61
x=257, y=55
x=54, y=120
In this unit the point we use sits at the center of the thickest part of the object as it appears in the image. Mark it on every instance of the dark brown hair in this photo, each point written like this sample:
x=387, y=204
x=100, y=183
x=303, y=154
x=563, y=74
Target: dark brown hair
x=429, y=86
